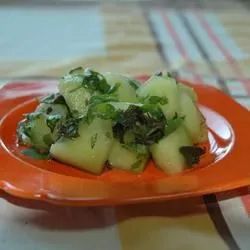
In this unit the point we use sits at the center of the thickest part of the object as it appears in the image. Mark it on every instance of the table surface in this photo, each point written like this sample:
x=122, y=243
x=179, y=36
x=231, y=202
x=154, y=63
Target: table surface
x=199, y=40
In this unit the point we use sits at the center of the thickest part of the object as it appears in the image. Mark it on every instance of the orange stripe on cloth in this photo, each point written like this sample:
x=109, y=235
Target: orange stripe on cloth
x=246, y=203
x=131, y=48
x=181, y=224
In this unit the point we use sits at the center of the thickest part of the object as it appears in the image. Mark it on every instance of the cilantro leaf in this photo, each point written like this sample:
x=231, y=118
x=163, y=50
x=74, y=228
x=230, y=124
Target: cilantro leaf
x=94, y=81
x=173, y=124
x=162, y=100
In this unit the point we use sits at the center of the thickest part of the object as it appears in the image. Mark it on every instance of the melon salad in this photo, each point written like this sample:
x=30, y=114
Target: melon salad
x=110, y=120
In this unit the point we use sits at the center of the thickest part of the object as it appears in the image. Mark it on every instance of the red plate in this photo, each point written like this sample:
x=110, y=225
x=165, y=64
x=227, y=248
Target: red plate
x=226, y=166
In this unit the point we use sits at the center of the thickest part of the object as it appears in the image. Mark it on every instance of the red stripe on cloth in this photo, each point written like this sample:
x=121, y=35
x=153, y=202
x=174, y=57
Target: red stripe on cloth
x=246, y=202
x=234, y=65
x=180, y=46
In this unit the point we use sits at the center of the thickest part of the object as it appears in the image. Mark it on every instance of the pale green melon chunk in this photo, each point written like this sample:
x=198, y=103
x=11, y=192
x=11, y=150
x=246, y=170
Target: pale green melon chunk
x=90, y=150
x=123, y=158
x=166, y=152
x=193, y=121
x=189, y=91
x=162, y=87
x=75, y=96
x=126, y=91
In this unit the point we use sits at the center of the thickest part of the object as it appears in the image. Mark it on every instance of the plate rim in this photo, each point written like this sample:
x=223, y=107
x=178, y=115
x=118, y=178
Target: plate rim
x=47, y=195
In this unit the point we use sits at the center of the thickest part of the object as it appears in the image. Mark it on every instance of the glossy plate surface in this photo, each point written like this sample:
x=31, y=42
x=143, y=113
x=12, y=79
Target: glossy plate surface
x=226, y=165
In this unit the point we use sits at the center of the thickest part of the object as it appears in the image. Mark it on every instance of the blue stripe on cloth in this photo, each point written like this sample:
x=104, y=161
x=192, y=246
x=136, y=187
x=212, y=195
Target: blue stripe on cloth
x=186, y=75
x=41, y=33
x=226, y=40
x=192, y=51
x=237, y=88
x=211, y=81
x=213, y=52
x=168, y=45
x=244, y=102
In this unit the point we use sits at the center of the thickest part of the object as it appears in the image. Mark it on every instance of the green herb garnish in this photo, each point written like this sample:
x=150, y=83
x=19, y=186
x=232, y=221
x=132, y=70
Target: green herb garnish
x=24, y=127
x=33, y=153
x=145, y=126
x=136, y=164
x=138, y=148
x=77, y=70
x=134, y=84
x=33, y=116
x=93, y=81
x=52, y=121
x=98, y=99
x=114, y=88
x=173, y=124
x=53, y=99
x=104, y=111
x=159, y=73
x=192, y=154
x=140, y=158
x=69, y=129
x=93, y=140
x=162, y=100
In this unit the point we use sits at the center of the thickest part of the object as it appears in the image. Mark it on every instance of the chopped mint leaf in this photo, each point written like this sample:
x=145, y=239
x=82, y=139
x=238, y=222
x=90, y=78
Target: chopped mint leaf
x=192, y=154
x=147, y=126
x=93, y=140
x=33, y=153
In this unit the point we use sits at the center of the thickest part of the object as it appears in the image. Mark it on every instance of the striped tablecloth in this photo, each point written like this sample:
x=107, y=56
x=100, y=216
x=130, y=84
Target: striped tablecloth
x=203, y=41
